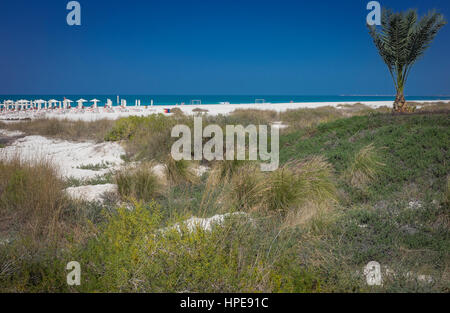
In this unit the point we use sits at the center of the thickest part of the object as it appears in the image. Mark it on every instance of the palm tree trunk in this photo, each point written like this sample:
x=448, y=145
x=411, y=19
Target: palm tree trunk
x=400, y=102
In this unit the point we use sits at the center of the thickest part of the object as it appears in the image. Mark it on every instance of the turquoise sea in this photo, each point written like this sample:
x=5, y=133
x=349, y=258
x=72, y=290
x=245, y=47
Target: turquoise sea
x=214, y=99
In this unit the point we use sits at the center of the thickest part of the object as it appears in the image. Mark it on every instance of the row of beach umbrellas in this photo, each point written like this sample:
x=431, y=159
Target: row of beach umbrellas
x=40, y=104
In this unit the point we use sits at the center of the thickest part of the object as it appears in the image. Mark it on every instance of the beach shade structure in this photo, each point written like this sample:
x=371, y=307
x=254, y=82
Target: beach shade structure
x=52, y=103
x=9, y=103
x=95, y=101
x=67, y=103
x=22, y=103
x=39, y=103
x=80, y=103
x=123, y=103
x=109, y=103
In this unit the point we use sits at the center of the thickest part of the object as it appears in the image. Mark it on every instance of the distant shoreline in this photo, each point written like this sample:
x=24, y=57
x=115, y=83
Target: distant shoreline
x=89, y=114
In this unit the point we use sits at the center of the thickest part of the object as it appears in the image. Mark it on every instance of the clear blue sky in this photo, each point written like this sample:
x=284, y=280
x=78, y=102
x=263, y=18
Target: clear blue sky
x=206, y=47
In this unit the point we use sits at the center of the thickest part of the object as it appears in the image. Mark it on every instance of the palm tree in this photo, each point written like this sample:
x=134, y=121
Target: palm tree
x=401, y=41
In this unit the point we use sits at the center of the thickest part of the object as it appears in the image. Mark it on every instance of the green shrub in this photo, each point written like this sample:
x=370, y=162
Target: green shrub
x=149, y=137
x=132, y=253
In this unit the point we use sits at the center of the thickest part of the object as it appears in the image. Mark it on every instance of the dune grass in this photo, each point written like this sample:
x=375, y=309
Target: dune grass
x=245, y=189
x=139, y=183
x=179, y=171
x=31, y=199
x=364, y=168
x=63, y=129
x=297, y=182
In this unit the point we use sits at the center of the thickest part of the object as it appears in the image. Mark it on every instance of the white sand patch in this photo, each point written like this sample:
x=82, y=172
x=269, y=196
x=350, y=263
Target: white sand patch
x=7, y=133
x=90, y=192
x=159, y=170
x=205, y=223
x=211, y=109
x=200, y=170
x=68, y=156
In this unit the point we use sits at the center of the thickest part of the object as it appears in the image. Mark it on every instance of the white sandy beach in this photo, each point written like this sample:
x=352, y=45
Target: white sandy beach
x=212, y=109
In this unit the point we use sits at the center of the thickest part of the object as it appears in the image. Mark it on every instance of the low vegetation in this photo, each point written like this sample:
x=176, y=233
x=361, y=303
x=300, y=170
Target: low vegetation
x=355, y=185
x=139, y=182
x=62, y=129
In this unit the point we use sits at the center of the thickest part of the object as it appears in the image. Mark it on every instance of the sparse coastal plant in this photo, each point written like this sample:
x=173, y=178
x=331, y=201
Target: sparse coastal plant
x=222, y=171
x=245, y=189
x=365, y=167
x=95, y=167
x=401, y=41
x=298, y=182
x=63, y=128
x=140, y=183
x=31, y=198
x=179, y=171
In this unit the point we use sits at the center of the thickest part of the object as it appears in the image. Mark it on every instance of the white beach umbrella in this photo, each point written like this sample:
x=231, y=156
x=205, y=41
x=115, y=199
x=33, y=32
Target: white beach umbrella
x=80, y=102
x=39, y=103
x=95, y=101
x=8, y=104
x=67, y=103
x=22, y=103
x=51, y=102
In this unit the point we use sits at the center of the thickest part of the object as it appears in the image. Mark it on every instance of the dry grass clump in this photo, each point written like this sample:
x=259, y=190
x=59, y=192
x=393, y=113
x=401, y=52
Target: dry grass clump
x=365, y=167
x=246, y=188
x=431, y=106
x=139, y=183
x=63, y=129
x=298, y=182
x=305, y=118
x=254, y=116
x=296, y=191
x=31, y=199
x=222, y=171
x=180, y=171
x=354, y=107
x=311, y=213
